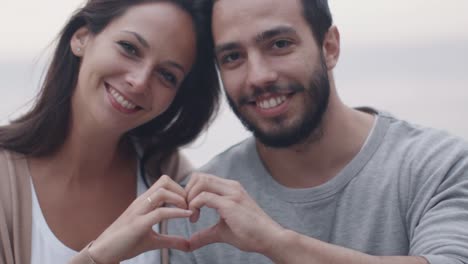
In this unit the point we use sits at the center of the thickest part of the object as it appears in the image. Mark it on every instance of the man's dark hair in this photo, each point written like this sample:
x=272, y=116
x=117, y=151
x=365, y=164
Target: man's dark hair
x=316, y=13
x=318, y=16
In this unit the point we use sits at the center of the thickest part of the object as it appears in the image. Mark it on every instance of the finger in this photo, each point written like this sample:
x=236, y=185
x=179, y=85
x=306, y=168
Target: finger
x=164, y=182
x=163, y=196
x=210, y=183
x=168, y=183
x=192, y=179
x=172, y=242
x=205, y=237
x=195, y=216
x=210, y=200
x=164, y=213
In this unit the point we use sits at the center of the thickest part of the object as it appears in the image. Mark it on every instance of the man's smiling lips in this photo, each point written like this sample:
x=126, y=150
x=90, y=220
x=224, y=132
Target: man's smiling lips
x=271, y=104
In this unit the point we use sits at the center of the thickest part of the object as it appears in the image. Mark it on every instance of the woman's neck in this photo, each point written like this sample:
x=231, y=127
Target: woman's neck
x=88, y=155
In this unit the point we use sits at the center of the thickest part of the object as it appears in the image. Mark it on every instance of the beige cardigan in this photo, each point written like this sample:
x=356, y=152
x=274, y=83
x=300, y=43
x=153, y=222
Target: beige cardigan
x=16, y=208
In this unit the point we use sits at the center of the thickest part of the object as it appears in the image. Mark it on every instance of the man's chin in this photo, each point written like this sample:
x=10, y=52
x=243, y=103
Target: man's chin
x=278, y=133
x=276, y=140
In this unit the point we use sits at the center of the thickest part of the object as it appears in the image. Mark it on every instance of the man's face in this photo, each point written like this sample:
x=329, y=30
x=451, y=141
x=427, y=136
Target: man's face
x=272, y=69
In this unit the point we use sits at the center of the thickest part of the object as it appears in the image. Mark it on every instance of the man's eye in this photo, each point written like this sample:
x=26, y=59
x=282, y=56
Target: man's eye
x=230, y=57
x=128, y=48
x=281, y=44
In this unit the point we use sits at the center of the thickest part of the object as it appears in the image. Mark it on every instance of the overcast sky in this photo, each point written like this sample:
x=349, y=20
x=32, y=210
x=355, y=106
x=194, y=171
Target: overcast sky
x=409, y=57
x=27, y=26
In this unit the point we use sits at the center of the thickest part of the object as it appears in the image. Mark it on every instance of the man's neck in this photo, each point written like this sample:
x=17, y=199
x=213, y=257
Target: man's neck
x=314, y=162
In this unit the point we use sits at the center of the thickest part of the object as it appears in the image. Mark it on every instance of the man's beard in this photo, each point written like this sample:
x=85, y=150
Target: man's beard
x=308, y=127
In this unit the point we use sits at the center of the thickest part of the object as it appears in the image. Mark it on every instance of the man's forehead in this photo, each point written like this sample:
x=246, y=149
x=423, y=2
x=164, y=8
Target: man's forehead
x=249, y=18
x=222, y=8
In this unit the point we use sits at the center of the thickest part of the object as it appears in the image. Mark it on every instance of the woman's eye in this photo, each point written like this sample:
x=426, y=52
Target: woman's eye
x=169, y=77
x=128, y=48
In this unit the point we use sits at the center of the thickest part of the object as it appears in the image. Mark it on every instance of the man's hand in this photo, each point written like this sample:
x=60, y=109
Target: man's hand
x=242, y=223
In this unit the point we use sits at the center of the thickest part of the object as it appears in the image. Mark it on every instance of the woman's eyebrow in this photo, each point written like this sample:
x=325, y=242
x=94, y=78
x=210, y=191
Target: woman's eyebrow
x=140, y=39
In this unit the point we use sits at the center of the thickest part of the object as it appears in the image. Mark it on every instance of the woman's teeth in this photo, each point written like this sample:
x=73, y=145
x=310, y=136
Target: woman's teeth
x=121, y=100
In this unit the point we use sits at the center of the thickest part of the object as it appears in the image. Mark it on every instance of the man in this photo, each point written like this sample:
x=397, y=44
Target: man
x=319, y=182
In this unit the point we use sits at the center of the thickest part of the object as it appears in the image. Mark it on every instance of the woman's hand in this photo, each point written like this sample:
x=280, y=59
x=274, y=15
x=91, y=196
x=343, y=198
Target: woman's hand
x=132, y=233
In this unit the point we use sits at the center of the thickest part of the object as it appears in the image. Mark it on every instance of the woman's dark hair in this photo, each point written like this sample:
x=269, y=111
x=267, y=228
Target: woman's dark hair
x=44, y=128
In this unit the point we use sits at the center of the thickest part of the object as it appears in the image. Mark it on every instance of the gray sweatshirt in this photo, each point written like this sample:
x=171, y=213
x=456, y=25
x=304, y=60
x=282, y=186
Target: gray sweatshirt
x=404, y=193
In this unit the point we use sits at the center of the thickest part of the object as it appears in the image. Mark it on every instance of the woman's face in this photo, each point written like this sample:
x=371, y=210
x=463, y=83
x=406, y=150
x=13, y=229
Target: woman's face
x=131, y=71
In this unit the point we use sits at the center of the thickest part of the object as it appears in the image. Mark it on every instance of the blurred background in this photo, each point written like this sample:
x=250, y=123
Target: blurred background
x=406, y=57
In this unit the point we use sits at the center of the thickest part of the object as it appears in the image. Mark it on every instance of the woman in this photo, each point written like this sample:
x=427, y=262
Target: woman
x=128, y=82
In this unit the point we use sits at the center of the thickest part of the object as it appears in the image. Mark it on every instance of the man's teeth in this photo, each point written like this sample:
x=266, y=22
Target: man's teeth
x=272, y=102
x=121, y=100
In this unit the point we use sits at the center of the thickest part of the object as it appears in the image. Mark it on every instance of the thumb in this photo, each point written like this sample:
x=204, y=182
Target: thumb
x=205, y=237
x=171, y=242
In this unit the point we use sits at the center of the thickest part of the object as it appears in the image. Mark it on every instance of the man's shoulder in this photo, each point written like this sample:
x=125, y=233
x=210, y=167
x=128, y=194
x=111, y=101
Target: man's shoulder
x=421, y=147
x=425, y=137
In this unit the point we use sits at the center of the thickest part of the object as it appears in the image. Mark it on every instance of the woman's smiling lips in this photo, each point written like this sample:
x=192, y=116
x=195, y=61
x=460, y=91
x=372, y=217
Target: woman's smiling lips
x=120, y=102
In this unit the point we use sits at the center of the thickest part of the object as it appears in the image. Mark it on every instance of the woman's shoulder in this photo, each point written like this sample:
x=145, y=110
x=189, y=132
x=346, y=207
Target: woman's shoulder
x=12, y=166
x=15, y=203
x=10, y=158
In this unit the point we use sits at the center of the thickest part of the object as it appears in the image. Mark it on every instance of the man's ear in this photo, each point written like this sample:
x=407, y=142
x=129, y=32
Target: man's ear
x=79, y=41
x=331, y=47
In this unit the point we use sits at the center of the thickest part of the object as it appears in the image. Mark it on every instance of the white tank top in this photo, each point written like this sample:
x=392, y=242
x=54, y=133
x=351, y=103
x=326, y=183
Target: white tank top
x=47, y=248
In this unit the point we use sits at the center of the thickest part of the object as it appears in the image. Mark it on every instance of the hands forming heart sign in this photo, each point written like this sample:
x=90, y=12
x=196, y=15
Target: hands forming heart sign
x=132, y=233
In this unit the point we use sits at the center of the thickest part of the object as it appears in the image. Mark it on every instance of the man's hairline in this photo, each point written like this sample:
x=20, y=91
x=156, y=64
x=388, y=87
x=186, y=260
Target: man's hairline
x=302, y=13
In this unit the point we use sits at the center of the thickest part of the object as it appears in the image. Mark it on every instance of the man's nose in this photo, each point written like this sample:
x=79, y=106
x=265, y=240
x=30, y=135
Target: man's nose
x=260, y=73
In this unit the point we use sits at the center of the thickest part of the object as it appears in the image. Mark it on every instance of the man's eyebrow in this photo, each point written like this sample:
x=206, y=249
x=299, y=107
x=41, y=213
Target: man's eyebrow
x=271, y=33
x=268, y=34
x=139, y=38
x=226, y=47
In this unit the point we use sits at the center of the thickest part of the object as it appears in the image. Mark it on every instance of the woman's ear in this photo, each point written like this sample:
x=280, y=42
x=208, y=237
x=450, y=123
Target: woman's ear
x=79, y=41
x=331, y=47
